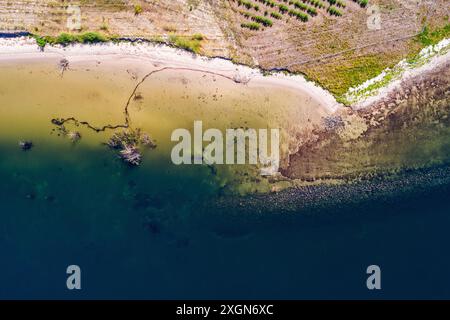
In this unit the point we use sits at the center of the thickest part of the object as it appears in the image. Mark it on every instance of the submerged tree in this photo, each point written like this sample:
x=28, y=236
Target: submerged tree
x=131, y=155
x=127, y=142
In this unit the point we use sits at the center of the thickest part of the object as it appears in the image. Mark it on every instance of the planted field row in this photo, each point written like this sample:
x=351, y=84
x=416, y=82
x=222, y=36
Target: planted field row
x=362, y=3
x=338, y=3
x=300, y=9
x=266, y=22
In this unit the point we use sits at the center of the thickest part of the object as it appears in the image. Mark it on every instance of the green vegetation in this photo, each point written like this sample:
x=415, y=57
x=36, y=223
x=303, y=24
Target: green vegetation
x=276, y=15
x=268, y=3
x=349, y=71
x=263, y=20
x=250, y=25
x=248, y=4
x=334, y=11
x=41, y=42
x=198, y=36
x=427, y=38
x=299, y=15
x=192, y=43
x=315, y=3
x=257, y=19
x=137, y=9
x=283, y=8
x=359, y=71
x=309, y=6
x=300, y=5
x=396, y=72
x=65, y=39
x=362, y=3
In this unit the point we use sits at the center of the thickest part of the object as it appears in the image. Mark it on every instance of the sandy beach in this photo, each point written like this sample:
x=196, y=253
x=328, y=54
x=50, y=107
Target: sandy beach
x=160, y=56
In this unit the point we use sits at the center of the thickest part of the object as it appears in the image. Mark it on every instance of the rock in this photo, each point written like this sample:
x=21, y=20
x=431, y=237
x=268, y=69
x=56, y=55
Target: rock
x=333, y=122
x=26, y=145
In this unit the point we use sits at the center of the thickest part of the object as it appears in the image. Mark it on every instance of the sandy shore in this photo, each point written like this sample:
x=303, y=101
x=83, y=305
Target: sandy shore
x=161, y=56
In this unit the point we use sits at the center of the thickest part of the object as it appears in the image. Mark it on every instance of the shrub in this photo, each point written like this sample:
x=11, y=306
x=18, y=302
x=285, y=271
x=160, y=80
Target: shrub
x=250, y=25
x=283, y=8
x=192, y=43
x=299, y=15
x=268, y=3
x=312, y=11
x=64, y=39
x=263, y=20
x=90, y=37
x=362, y=3
x=300, y=5
x=318, y=3
x=334, y=11
x=41, y=42
x=426, y=38
x=276, y=15
x=137, y=9
x=245, y=3
x=198, y=36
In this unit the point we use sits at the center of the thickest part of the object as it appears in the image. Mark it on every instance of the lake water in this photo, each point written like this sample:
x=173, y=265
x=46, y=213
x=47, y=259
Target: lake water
x=149, y=232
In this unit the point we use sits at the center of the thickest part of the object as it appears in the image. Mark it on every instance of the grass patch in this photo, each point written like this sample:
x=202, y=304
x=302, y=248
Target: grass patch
x=192, y=43
x=338, y=77
x=137, y=9
x=428, y=38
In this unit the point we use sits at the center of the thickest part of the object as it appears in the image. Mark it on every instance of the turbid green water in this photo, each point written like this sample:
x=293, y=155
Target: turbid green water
x=148, y=232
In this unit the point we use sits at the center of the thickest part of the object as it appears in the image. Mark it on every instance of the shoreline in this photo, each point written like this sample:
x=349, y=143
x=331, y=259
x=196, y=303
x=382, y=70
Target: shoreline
x=163, y=55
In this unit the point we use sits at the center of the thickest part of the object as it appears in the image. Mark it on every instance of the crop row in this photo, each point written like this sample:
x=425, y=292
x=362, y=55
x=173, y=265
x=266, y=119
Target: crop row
x=248, y=4
x=299, y=15
x=311, y=10
x=362, y=3
x=283, y=6
x=258, y=19
x=334, y=11
x=250, y=25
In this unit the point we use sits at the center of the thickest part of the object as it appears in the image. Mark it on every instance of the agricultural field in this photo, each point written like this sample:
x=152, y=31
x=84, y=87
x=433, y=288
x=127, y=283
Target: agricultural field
x=263, y=13
x=337, y=43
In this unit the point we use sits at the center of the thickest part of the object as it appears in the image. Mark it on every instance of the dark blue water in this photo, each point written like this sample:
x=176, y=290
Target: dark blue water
x=137, y=233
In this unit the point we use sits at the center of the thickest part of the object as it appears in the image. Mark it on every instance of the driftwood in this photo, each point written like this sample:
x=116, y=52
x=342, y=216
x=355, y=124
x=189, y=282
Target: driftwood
x=63, y=65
